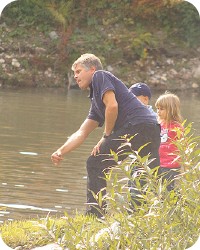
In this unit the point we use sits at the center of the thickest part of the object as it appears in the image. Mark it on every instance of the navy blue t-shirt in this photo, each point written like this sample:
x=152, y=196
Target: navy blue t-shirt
x=130, y=109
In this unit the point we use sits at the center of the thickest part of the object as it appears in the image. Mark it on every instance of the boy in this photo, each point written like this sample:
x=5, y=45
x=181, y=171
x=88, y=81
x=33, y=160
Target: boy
x=143, y=93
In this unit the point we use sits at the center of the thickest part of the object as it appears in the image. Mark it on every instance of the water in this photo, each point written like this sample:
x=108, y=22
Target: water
x=33, y=124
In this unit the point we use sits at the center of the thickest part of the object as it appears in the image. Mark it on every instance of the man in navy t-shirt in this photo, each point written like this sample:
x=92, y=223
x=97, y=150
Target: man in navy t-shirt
x=121, y=113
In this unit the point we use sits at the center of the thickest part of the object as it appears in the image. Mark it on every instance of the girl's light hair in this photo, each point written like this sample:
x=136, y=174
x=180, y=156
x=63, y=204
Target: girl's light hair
x=171, y=103
x=87, y=61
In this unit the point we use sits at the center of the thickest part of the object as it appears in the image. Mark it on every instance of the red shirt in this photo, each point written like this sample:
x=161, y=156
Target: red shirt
x=168, y=151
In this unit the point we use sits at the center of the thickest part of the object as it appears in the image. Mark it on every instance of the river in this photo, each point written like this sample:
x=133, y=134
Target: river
x=33, y=124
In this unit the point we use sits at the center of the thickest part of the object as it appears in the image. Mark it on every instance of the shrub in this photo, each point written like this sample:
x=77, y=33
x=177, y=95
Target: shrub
x=165, y=220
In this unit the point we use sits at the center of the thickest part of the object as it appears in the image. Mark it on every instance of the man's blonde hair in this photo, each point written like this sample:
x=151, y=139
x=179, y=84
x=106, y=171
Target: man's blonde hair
x=171, y=103
x=87, y=61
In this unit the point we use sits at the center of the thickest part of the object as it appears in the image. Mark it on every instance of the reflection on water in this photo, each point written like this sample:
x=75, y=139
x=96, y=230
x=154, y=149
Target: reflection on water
x=34, y=123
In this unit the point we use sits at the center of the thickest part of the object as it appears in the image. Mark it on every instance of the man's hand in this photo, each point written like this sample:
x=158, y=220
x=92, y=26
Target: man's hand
x=96, y=149
x=56, y=157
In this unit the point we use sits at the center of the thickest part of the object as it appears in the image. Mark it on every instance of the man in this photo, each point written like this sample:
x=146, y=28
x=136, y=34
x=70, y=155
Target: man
x=115, y=106
x=143, y=93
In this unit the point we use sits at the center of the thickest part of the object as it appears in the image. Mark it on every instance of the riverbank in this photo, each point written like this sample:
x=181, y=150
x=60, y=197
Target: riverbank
x=30, y=62
x=41, y=55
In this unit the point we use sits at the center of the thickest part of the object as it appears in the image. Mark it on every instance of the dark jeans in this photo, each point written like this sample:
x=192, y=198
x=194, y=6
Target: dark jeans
x=169, y=175
x=97, y=165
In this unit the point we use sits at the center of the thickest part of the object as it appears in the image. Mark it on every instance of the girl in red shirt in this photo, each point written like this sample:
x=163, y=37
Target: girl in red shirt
x=170, y=119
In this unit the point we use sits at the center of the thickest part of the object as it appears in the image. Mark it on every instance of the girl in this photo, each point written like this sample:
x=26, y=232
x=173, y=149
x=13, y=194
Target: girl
x=169, y=117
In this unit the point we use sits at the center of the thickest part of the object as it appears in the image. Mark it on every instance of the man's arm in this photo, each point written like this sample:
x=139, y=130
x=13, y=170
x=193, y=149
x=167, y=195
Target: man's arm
x=75, y=140
x=111, y=111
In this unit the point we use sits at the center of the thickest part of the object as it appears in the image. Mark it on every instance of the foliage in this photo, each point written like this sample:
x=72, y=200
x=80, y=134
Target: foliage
x=181, y=21
x=27, y=13
x=142, y=43
x=188, y=147
x=119, y=31
x=70, y=14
